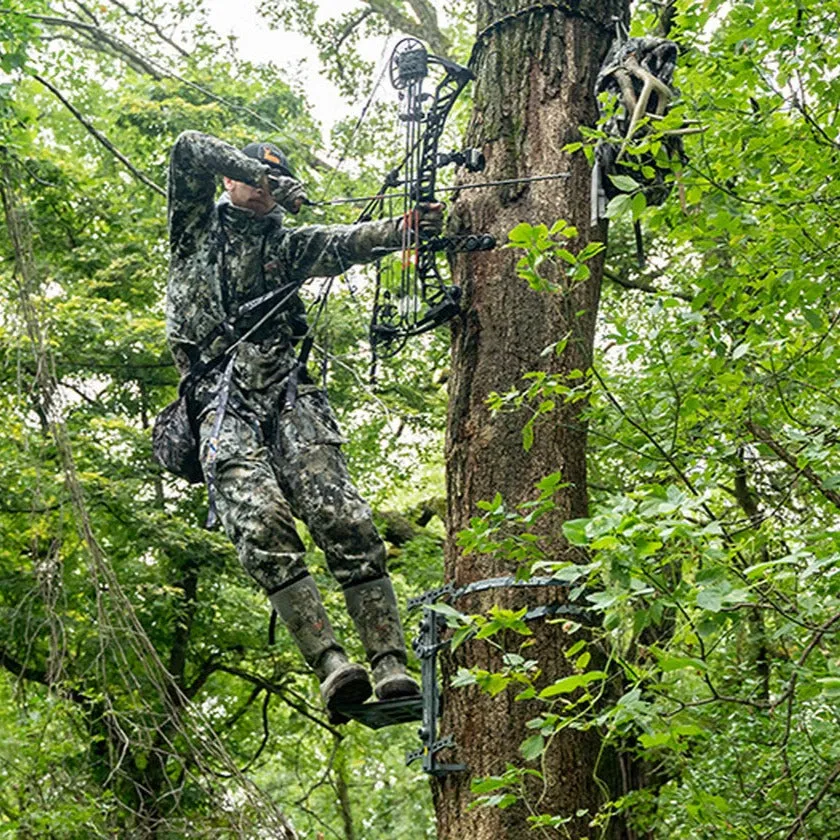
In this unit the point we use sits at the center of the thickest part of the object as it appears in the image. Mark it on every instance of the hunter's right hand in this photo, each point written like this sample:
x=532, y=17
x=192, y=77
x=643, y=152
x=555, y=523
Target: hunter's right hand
x=289, y=193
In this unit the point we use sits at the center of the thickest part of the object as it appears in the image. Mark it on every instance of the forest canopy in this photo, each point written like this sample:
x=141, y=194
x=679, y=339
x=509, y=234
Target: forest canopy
x=138, y=683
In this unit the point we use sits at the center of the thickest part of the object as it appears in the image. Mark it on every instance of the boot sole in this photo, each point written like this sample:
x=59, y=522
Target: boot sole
x=347, y=686
x=399, y=685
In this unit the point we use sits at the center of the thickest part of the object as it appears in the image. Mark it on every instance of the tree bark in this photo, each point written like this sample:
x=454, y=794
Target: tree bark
x=536, y=67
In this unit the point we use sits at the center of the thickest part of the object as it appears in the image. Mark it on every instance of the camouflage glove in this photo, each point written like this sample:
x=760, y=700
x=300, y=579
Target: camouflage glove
x=426, y=219
x=289, y=193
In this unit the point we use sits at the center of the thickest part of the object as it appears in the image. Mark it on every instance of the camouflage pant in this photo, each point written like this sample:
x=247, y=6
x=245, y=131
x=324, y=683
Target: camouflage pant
x=275, y=465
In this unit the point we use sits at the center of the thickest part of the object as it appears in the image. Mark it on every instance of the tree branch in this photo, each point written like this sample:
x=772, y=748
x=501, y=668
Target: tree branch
x=667, y=456
x=255, y=693
x=204, y=673
x=271, y=688
x=31, y=511
x=100, y=37
x=153, y=26
x=348, y=30
x=156, y=71
x=427, y=15
x=24, y=672
x=812, y=804
x=100, y=137
x=21, y=671
x=87, y=11
x=423, y=26
x=627, y=283
x=789, y=458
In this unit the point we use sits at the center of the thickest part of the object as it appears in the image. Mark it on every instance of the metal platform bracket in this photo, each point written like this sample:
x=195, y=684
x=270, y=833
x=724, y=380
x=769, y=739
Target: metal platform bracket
x=429, y=641
x=427, y=707
x=426, y=646
x=383, y=713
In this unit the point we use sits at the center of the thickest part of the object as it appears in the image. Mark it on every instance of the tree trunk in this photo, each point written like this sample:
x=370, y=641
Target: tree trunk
x=536, y=68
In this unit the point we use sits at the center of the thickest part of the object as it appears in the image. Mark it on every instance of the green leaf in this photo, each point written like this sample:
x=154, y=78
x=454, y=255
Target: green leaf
x=618, y=206
x=550, y=484
x=574, y=530
x=528, y=435
x=711, y=598
x=522, y=235
x=566, y=685
x=496, y=506
x=624, y=183
x=489, y=784
x=677, y=663
x=759, y=570
x=494, y=684
x=463, y=678
x=533, y=747
x=829, y=686
x=448, y=612
x=460, y=636
x=741, y=350
x=591, y=250
x=814, y=318
x=576, y=648
x=489, y=629
x=638, y=205
x=503, y=800
x=657, y=739
x=606, y=542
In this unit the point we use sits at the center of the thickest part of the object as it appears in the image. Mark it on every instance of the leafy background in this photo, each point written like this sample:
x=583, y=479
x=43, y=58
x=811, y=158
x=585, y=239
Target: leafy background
x=711, y=548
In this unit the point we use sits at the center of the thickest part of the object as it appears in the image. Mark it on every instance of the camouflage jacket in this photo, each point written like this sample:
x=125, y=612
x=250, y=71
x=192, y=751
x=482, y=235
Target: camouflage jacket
x=222, y=256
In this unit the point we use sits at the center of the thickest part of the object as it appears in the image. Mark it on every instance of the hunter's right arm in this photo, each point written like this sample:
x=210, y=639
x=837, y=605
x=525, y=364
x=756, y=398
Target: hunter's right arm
x=195, y=162
x=192, y=308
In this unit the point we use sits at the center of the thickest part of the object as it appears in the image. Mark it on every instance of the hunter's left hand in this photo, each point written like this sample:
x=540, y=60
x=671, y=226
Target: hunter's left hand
x=427, y=217
x=289, y=193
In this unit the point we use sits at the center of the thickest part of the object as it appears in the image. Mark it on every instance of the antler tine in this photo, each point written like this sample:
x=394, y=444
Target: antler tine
x=650, y=84
x=625, y=83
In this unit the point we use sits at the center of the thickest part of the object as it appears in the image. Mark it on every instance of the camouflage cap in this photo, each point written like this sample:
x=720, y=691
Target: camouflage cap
x=270, y=155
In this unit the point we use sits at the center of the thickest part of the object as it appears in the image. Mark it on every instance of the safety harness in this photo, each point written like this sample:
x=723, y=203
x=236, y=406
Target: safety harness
x=256, y=312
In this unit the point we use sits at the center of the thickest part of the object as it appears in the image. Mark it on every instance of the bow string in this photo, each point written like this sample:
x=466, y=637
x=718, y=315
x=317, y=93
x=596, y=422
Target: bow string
x=411, y=294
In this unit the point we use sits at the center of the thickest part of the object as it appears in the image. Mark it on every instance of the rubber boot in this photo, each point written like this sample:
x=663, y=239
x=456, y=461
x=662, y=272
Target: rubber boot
x=302, y=610
x=373, y=607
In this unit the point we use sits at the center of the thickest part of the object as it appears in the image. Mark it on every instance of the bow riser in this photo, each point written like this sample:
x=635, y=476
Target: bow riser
x=411, y=294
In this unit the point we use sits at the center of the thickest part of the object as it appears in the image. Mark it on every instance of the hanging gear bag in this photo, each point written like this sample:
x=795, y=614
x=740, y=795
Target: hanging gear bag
x=175, y=441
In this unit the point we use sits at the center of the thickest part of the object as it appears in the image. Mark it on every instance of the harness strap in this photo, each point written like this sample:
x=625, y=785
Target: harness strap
x=213, y=441
x=305, y=349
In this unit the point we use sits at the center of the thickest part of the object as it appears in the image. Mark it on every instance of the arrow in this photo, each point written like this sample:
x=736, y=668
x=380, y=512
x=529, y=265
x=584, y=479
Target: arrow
x=504, y=182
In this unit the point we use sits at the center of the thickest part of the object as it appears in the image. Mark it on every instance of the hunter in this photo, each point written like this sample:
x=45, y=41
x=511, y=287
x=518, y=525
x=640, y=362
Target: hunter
x=268, y=442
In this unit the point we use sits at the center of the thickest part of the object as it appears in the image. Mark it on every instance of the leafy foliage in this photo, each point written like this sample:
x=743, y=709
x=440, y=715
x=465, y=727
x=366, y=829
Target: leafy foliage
x=139, y=688
x=710, y=555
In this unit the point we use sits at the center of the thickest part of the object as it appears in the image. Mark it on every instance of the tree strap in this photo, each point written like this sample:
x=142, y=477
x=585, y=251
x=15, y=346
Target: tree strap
x=533, y=10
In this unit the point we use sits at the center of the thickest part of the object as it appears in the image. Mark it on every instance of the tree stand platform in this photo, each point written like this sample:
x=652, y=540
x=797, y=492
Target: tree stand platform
x=426, y=707
x=381, y=713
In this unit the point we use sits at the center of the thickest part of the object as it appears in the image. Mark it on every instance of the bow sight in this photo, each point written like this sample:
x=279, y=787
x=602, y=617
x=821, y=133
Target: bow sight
x=411, y=295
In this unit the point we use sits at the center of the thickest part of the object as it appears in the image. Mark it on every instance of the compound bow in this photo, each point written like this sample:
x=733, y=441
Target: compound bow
x=411, y=295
